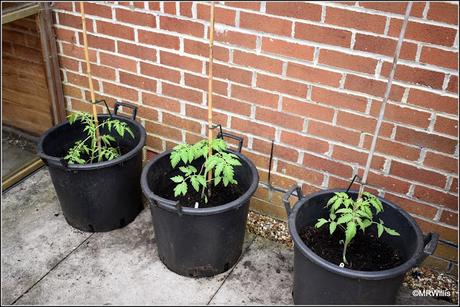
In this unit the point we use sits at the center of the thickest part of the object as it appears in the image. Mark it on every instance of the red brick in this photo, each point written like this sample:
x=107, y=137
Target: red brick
x=395, y=7
x=387, y=182
x=340, y=100
x=138, y=81
x=299, y=10
x=67, y=6
x=255, y=96
x=100, y=71
x=350, y=155
x=72, y=91
x=61, y=34
x=231, y=105
x=116, y=61
x=231, y=73
x=276, y=46
x=391, y=148
x=412, y=206
x=433, y=101
x=323, y=35
x=68, y=63
x=436, y=197
x=236, y=38
x=454, y=185
x=427, y=33
x=414, y=75
x=355, y=20
x=265, y=24
x=446, y=125
x=97, y=42
x=221, y=15
x=446, y=233
x=158, y=39
x=182, y=93
x=326, y=165
x=443, y=12
x=299, y=172
x=439, y=57
x=279, y=150
x=179, y=61
x=384, y=46
x=75, y=21
x=137, y=18
x=169, y=7
x=441, y=162
x=181, y=26
x=453, y=84
x=84, y=106
x=307, y=109
x=160, y=72
x=449, y=217
x=357, y=122
x=202, y=49
x=313, y=74
x=163, y=130
x=202, y=114
x=418, y=174
x=186, y=8
x=80, y=80
x=137, y=51
x=249, y=5
x=372, y=87
x=78, y=52
x=155, y=143
x=257, y=61
x=281, y=85
x=96, y=9
x=347, y=61
x=120, y=91
x=182, y=123
x=164, y=103
x=116, y=30
x=333, y=133
x=253, y=128
x=154, y=5
x=399, y=114
x=279, y=119
x=199, y=82
x=147, y=113
x=304, y=142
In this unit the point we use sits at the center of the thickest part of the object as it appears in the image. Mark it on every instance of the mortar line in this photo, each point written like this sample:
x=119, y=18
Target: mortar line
x=231, y=271
x=46, y=274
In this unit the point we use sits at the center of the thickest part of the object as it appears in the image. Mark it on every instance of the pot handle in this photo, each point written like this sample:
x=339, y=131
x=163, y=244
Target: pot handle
x=59, y=163
x=128, y=105
x=288, y=194
x=221, y=135
x=430, y=241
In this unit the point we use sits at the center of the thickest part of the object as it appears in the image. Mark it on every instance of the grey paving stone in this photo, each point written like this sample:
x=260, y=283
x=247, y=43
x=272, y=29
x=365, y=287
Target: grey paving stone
x=35, y=235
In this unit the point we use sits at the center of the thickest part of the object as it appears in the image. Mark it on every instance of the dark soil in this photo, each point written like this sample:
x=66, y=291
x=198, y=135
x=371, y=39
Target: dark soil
x=220, y=195
x=365, y=252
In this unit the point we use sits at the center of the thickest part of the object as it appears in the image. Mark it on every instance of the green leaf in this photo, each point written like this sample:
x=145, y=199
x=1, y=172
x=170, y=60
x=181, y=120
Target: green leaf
x=332, y=227
x=391, y=232
x=345, y=218
x=225, y=181
x=175, y=158
x=337, y=204
x=320, y=223
x=201, y=180
x=379, y=229
x=344, y=210
x=331, y=200
x=350, y=232
x=217, y=180
x=219, y=168
x=363, y=214
x=177, y=179
x=195, y=183
x=332, y=216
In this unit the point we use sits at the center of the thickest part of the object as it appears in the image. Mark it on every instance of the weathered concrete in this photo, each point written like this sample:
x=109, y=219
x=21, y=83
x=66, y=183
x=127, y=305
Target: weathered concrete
x=47, y=262
x=17, y=150
x=35, y=236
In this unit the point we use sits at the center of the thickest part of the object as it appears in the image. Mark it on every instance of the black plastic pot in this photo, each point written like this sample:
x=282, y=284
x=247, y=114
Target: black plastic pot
x=318, y=281
x=198, y=242
x=99, y=196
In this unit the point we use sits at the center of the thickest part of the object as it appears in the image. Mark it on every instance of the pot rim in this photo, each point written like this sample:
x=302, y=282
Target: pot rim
x=169, y=205
x=350, y=273
x=98, y=165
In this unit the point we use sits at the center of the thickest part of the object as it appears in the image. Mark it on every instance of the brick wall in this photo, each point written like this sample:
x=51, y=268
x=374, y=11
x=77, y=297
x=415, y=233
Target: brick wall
x=310, y=76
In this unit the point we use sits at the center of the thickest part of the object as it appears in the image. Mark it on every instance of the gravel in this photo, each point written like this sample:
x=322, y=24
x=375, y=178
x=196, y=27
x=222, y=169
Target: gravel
x=419, y=278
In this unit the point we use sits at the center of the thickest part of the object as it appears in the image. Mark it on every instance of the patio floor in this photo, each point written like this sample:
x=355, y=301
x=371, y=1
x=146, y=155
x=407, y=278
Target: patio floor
x=47, y=262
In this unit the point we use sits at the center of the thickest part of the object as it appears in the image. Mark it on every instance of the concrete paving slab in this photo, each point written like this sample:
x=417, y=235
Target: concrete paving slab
x=121, y=267
x=262, y=277
x=35, y=235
